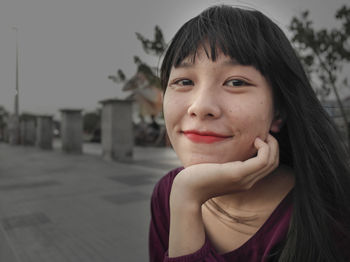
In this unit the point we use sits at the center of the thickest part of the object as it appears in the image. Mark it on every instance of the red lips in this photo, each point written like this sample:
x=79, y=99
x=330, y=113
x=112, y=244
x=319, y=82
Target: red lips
x=204, y=137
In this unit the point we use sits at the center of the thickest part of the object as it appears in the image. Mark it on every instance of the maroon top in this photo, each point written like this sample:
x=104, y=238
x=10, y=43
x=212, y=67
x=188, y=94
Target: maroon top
x=257, y=248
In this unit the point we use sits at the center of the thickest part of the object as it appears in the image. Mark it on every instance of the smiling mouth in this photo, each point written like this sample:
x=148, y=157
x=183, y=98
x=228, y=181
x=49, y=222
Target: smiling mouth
x=204, y=137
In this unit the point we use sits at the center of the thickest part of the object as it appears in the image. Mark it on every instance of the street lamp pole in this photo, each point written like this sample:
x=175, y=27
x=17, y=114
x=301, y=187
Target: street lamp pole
x=17, y=90
x=15, y=136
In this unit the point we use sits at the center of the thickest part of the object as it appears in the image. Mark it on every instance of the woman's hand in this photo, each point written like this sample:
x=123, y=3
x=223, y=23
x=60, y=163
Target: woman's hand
x=196, y=184
x=201, y=182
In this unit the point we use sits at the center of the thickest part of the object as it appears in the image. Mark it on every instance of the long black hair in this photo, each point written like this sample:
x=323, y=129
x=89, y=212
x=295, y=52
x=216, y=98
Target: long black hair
x=309, y=141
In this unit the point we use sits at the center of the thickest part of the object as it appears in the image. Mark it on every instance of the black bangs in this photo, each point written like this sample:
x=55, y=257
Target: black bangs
x=217, y=31
x=235, y=32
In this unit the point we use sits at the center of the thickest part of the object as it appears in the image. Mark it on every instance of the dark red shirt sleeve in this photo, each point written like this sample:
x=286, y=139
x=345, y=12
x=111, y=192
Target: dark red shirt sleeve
x=160, y=217
x=158, y=244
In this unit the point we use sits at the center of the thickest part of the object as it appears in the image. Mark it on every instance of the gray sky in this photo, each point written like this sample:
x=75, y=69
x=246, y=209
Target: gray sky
x=69, y=47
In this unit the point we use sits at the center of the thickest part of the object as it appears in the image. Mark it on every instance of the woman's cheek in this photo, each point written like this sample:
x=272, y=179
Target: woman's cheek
x=168, y=108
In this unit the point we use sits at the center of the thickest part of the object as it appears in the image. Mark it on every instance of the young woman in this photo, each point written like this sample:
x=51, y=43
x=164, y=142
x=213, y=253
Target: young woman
x=265, y=175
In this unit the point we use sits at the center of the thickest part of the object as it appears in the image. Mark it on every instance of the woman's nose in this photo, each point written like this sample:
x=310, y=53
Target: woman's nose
x=204, y=105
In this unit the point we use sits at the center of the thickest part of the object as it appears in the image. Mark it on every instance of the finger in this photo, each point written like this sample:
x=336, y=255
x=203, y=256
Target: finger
x=264, y=152
x=272, y=143
x=270, y=146
x=260, y=161
x=259, y=143
x=267, y=158
x=274, y=151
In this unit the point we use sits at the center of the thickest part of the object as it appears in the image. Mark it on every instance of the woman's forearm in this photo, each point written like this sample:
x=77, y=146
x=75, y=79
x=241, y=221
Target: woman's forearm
x=187, y=233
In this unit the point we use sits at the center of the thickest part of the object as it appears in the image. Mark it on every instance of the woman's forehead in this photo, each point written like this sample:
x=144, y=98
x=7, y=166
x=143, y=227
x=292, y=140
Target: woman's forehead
x=203, y=53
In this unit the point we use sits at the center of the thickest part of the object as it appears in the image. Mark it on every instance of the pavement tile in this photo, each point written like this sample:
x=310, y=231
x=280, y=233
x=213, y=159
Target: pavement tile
x=56, y=207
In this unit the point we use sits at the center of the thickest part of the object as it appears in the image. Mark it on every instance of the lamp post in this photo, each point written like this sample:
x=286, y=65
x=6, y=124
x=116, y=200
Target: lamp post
x=17, y=91
x=14, y=139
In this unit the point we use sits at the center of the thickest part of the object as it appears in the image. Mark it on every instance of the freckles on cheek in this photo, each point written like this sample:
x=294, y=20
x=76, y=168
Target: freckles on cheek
x=173, y=110
x=234, y=110
x=252, y=122
x=167, y=104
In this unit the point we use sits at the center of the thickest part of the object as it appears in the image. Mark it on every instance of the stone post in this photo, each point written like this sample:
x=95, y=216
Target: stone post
x=28, y=129
x=6, y=134
x=2, y=128
x=44, y=132
x=117, y=129
x=13, y=130
x=72, y=130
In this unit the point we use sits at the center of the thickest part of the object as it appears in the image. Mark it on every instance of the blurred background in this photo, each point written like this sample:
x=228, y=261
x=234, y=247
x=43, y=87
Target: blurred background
x=82, y=136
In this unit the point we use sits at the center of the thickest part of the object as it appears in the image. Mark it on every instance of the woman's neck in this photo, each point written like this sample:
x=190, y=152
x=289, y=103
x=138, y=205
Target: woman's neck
x=258, y=202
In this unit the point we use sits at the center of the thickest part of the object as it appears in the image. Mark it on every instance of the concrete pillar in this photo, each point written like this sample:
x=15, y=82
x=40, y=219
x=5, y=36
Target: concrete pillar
x=117, y=129
x=5, y=130
x=2, y=128
x=44, y=132
x=13, y=130
x=72, y=130
x=6, y=134
x=28, y=129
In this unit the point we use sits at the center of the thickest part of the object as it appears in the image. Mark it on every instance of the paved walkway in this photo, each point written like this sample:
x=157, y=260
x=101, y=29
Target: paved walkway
x=76, y=208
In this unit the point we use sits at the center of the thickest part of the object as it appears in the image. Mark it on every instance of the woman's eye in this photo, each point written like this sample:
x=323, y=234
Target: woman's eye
x=184, y=82
x=236, y=82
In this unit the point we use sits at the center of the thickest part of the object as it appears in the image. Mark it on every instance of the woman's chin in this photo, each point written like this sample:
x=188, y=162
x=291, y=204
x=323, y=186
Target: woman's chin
x=195, y=158
x=202, y=160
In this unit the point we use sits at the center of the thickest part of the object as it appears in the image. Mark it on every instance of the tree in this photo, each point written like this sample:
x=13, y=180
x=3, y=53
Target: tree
x=154, y=47
x=323, y=53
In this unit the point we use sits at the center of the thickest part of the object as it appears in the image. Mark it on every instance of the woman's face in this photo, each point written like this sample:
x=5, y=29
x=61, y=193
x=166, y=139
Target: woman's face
x=214, y=110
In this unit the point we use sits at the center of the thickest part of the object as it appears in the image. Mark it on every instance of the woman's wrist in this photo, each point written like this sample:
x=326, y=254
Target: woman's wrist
x=187, y=233
x=183, y=193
